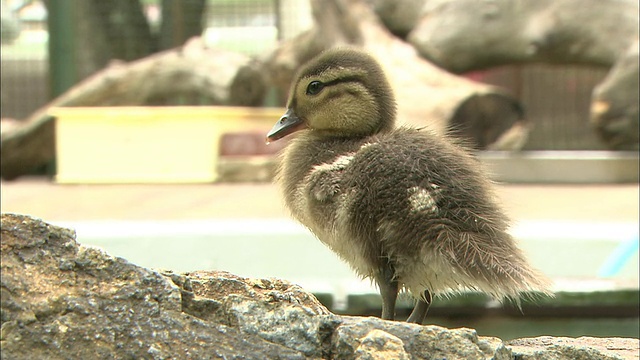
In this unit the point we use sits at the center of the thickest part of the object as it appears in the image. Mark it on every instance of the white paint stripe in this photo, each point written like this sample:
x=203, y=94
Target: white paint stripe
x=574, y=230
x=229, y=227
x=529, y=230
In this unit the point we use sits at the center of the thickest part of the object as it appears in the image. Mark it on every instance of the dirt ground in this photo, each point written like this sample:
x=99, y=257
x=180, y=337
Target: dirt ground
x=40, y=197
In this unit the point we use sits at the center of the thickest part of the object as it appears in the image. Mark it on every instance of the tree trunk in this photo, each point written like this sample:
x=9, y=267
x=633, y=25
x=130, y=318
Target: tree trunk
x=427, y=96
x=218, y=75
x=106, y=30
x=119, y=29
x=181, y=20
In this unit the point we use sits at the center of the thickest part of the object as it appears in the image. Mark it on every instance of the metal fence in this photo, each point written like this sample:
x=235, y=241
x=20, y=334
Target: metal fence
x=24, y=59
x=556, y=98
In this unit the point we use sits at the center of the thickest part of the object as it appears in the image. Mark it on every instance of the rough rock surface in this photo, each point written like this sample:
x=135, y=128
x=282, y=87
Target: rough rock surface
x=62, y=300
x=582, y=348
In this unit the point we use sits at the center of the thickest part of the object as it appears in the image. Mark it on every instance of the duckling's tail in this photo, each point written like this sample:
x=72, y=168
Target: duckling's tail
x=492, y=263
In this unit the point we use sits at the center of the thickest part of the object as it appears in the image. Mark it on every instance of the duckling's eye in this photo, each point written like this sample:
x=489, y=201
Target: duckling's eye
x=314, y=87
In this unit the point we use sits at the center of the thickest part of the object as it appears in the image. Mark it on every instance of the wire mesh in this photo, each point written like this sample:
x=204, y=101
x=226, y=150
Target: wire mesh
x=24, y=57
x=556, y=101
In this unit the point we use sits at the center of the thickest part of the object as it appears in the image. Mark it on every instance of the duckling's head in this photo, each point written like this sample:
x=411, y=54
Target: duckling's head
x=342, y=93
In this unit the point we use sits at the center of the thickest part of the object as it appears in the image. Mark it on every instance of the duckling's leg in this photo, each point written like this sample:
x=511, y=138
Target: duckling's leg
x=388, y=290
x=420, y=310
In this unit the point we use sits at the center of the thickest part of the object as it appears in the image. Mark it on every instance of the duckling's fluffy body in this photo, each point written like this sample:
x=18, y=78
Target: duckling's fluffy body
x=409, y=198
x=405, y=207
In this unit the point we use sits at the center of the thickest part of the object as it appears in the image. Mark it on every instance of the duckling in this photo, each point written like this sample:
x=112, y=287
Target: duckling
x=407, y=208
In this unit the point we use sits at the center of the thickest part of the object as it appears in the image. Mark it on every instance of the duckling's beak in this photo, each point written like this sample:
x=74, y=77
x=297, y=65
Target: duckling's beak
x=288, y=123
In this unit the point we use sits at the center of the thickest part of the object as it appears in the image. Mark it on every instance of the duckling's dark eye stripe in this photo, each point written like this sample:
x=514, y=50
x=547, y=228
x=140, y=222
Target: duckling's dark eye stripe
x=346, y=79
x=315, y=86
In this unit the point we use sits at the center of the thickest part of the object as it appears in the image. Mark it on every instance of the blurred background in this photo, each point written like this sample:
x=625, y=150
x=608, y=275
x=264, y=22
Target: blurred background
x=181, y=179
x=31, y=77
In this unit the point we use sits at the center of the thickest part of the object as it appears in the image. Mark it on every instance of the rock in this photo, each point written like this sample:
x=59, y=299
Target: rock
x=243, y=169
x=355, y=335
x=582, y=348
x=381, y=345
x=274, y=310
x=63, y=300
x=245, y=157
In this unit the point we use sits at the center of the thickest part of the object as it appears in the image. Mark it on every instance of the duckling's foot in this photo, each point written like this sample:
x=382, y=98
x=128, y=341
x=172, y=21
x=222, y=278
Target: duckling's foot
x=388, y=290
x=420, y=310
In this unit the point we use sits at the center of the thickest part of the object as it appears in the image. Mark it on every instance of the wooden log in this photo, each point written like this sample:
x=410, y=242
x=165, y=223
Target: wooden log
x=222, y=77
x=614, y=104
x=465, y=35
x=399, y=17
x=426, y=95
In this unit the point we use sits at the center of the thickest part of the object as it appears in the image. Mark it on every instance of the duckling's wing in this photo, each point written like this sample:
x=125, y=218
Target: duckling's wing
x=422, y=200
x=323, y=181
x=410, y=172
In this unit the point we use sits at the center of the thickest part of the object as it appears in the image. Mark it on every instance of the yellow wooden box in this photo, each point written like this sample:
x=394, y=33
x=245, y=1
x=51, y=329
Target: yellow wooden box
x=148, y=144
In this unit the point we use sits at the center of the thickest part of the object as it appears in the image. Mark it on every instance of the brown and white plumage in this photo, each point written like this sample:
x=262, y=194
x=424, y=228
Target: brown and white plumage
x=404, y=207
